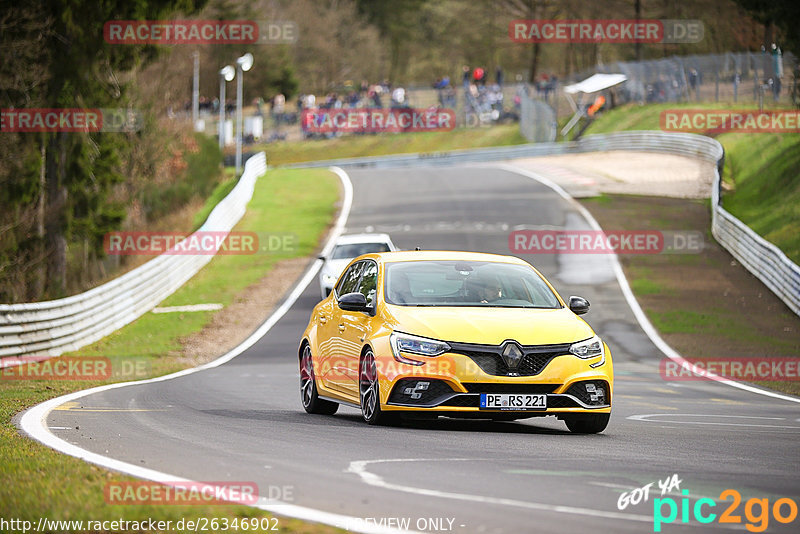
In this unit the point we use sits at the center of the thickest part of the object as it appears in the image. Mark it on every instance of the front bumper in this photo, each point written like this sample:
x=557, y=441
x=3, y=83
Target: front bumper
x=455, y=383
x=439, y=395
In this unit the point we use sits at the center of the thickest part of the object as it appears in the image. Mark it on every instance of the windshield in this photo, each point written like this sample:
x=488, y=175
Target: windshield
x=466, y=283
x=353, y=250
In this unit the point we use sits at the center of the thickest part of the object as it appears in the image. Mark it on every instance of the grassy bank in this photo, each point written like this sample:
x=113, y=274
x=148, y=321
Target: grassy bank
x=764, y=170
x=36, y=481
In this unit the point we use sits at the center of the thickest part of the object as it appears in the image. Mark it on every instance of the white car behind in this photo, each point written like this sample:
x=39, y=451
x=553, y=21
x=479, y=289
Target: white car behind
x=348, y=247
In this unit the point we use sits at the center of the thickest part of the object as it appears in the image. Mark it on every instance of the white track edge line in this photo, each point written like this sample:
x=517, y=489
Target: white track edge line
x=359, y=468
x=644, y=322
x=34, y=420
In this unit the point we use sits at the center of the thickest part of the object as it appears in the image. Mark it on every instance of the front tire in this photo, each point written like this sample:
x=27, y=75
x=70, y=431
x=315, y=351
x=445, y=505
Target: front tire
x=369, y=393
x=590, y=423
x=308, y=388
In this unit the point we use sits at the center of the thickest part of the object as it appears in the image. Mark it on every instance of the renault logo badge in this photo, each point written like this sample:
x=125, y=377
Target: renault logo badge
x=512, y=354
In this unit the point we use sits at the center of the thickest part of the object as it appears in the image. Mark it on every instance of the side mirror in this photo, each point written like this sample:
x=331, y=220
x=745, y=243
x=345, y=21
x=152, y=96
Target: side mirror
x=353, y=302
x=578, y=305
x=321, y=257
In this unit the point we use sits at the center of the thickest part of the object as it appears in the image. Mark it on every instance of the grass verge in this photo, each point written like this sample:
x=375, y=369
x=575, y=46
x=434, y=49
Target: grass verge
x=36, y=481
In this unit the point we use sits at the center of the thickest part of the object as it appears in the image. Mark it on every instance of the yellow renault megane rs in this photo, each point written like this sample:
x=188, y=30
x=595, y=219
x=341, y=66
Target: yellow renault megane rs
x=455, y=334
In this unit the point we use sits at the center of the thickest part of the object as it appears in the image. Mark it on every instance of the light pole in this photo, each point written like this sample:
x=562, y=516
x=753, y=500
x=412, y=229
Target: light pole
x=195, y=90
x=243, y=64
x=225, y=75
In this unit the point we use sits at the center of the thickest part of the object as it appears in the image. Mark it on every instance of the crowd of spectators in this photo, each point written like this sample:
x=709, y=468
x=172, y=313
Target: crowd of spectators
x=482, y=98
x=477, y=95
x=364, y=95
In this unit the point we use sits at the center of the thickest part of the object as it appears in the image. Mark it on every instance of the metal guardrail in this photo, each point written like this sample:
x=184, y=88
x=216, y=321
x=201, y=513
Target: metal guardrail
x=648, y=141
x=763, y=259
x=53, y=327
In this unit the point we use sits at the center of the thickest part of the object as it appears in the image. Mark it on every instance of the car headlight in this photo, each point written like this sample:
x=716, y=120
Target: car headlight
x=329, y=279
x=411, y=344
x=589, y=348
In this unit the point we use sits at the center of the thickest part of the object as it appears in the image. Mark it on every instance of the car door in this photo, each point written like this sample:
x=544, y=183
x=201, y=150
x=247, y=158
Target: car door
x=353, y=327
x=332, y=345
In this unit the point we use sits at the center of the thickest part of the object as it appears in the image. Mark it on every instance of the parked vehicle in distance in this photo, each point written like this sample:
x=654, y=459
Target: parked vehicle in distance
x=348, y=247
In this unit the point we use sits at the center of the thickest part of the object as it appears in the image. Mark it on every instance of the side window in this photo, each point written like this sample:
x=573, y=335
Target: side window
x=369, y=281
x=348, y=282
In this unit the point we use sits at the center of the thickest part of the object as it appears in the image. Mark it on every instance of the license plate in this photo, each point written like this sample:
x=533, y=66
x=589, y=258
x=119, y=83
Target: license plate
x=511, y=401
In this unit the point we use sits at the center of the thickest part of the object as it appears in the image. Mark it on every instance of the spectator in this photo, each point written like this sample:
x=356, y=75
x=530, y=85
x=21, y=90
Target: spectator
x=399, y=98
x=449, y=97
x=441, y=86
x=479, y=76
x=278, y=108
x=550, y=87
x=494, y=97
x=541, y=85
x=375, y=95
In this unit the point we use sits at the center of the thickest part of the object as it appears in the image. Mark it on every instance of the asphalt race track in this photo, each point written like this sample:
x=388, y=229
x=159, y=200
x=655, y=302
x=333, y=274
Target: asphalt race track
x=243, y=421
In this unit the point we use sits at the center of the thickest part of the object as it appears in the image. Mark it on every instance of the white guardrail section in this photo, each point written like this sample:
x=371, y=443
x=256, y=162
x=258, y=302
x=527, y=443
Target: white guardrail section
x=763, y=259
x=53, y=327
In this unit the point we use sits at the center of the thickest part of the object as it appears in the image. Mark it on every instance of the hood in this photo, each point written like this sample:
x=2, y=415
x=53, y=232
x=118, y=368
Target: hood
x=490, y=326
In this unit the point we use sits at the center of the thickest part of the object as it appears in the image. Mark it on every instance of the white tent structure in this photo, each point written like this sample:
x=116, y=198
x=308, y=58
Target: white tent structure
x=593, y=84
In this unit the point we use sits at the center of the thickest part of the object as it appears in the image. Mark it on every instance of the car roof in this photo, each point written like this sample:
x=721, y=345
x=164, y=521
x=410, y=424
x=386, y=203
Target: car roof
x=363, y=238
x=442, y=255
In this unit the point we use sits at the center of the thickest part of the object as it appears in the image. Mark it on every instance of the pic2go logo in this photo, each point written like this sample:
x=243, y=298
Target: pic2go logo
x=758, y=519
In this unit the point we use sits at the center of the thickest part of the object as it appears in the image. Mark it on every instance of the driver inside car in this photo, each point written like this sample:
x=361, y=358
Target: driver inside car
x=485, y=290
x=491, y=291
